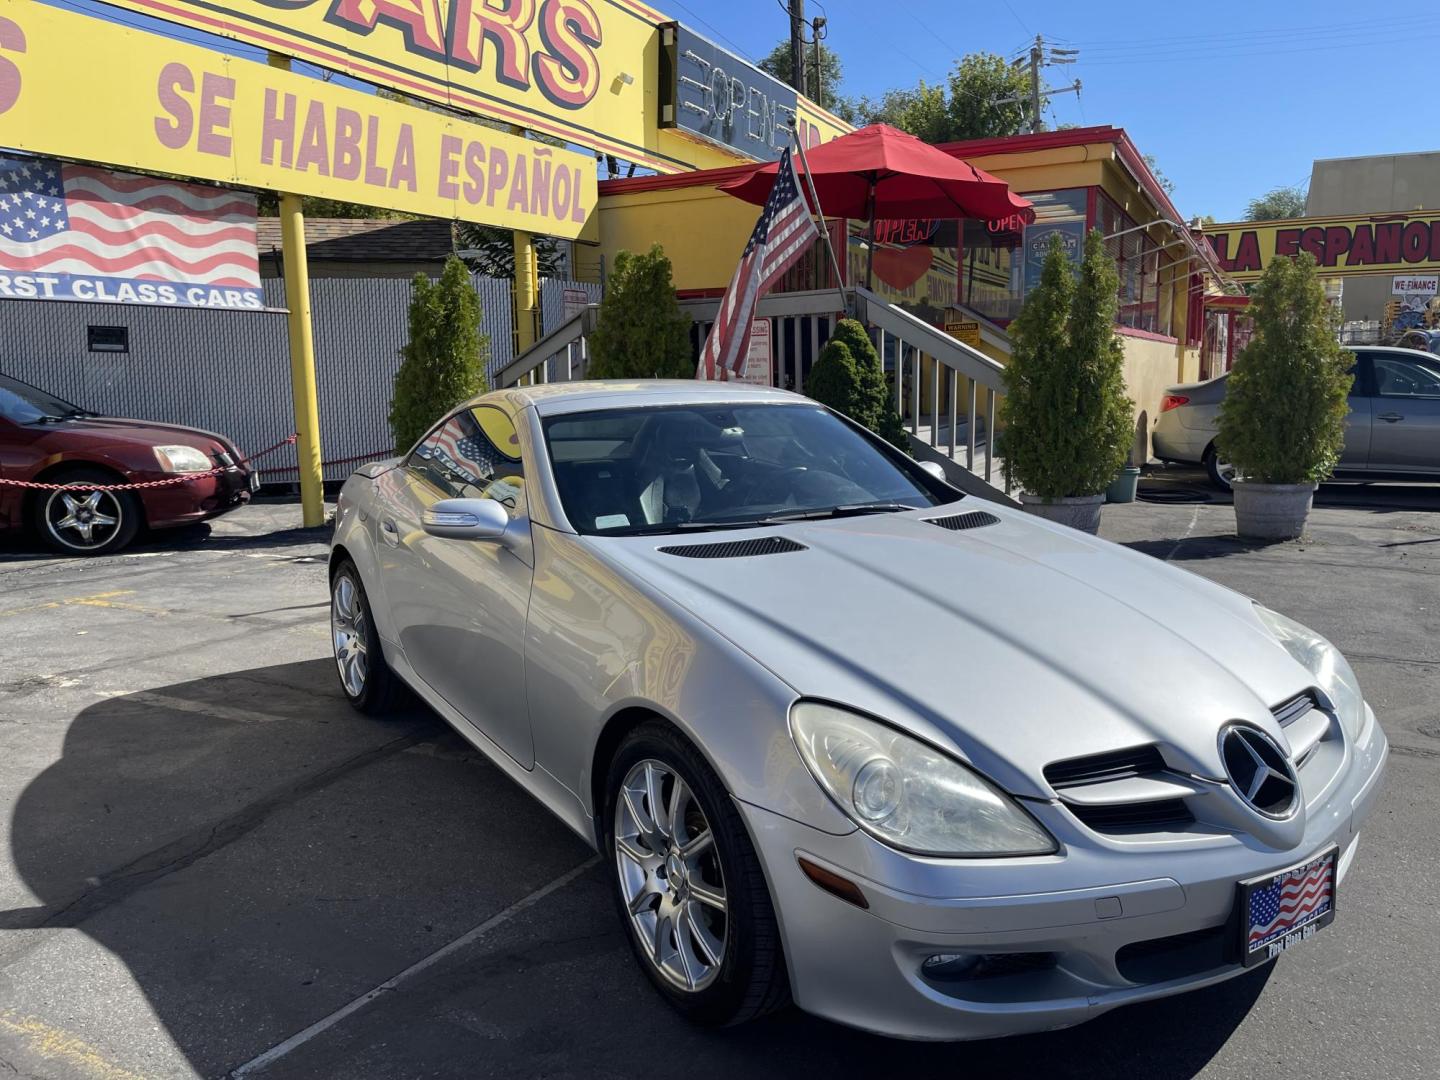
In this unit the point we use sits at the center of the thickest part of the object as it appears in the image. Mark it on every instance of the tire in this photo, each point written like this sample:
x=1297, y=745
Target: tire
x=101, y=522
x=1219, y=472
x=365, y=678
x=716, y=967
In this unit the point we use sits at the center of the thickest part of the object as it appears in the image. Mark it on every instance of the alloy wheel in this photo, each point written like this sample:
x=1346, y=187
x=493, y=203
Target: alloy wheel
x=670, y=876
x=349, y=627
x=83, y=520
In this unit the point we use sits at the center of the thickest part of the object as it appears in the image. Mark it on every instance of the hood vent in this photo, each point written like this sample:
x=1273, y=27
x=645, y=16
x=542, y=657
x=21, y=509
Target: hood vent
x=736, y=549
x=1123, y=791
x=1116, y=765
x=975, y=519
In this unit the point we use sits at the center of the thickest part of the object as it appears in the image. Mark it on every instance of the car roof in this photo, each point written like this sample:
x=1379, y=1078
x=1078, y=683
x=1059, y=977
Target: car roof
x=1397, y=349
x=555, y=399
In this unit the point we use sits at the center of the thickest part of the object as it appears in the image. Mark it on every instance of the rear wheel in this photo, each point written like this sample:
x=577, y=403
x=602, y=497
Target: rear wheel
x=688, y=882
x=367, y=681
x=87, y=521
x=1221, y=472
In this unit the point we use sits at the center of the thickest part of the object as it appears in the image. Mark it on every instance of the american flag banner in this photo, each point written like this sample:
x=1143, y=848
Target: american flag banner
x=782, y=234
x=1291, y=900
x=77, y=232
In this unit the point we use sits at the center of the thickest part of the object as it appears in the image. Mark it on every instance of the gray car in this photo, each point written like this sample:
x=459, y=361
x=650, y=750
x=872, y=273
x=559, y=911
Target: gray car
x=1392, y=431
x=842, y=735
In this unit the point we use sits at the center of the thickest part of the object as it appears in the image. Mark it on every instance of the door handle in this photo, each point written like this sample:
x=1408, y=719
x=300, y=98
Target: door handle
x=388, y=531
x=1391, y=417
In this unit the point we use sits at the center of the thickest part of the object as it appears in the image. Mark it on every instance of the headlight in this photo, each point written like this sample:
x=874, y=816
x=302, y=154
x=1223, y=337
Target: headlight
x=908, y=794
x=182, y=459
x=1332, y=673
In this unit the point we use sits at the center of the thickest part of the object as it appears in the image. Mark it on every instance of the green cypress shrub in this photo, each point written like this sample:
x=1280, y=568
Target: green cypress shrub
x=1283, y=418
x=876, y=412
x=444, y=361
x=834, y=380
x=1066, y=420
x=641, y=332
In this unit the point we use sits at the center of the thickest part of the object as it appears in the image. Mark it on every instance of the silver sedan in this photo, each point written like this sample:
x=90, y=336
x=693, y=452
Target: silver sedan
x=1392, y=431
x=843, y=735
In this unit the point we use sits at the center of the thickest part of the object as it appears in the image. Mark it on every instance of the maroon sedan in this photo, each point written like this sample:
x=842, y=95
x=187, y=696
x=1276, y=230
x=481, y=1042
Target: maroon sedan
x=47, y=440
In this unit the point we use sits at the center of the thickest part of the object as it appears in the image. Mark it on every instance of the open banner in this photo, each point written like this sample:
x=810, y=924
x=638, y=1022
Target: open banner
x=73, y=86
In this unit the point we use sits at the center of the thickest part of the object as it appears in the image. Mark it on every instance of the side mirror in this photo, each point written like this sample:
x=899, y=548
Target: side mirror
x=467, y=519
x=935, y=469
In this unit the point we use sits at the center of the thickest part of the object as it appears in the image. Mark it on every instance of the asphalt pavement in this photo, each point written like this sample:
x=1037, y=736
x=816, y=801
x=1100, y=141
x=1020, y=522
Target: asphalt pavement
x=210, y=866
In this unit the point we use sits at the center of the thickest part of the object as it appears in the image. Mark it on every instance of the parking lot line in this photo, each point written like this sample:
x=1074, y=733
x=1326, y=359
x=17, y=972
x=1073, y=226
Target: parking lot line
x=300, y=1038
x=55, y=1044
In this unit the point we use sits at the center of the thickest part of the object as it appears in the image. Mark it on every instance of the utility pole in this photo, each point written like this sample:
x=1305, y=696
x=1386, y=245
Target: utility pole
x=1037, y=57
x=817, y=31
x=797, y=45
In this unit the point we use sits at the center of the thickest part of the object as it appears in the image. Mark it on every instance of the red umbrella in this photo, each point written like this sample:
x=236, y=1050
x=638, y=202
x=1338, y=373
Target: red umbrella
x=882, y=172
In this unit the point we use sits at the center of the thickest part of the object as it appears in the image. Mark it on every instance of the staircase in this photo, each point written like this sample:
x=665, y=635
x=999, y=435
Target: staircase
x=964, y=383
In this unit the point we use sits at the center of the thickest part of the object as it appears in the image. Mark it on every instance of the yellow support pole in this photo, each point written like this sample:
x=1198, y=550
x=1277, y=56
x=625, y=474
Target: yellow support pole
x=526, y=281
x=303, y=392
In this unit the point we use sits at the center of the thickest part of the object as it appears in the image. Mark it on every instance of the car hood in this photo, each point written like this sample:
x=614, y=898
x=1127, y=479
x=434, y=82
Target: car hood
x=114, y=429
x=1015, y=644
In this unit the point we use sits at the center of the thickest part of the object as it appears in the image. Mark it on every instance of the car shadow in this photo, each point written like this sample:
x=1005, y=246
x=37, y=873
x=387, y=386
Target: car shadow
x=256, y=855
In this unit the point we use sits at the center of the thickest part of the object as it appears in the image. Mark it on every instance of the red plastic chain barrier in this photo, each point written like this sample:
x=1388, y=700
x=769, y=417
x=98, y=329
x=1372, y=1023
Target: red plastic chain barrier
x=184, y=478
x=336, y=461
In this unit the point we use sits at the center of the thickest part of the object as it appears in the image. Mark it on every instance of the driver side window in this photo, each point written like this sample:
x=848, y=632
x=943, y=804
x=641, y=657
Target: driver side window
x=474, y=455
x=1395, y=378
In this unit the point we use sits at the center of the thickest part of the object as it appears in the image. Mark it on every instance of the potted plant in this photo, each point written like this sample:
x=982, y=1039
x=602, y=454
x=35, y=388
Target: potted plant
x=1065, y=417
x=1282, y=424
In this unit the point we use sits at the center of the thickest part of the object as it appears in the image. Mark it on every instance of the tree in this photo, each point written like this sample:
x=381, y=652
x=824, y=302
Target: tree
x=971, y=105
x=1166, y=184
x=641, y=332
x=268, y=205
x=1066, y=419
x=831, y=72
x=834, y=380
x=444, y=361
x=874, y=410
x=1277, y=203
x=1283, y=419
x=496, y=251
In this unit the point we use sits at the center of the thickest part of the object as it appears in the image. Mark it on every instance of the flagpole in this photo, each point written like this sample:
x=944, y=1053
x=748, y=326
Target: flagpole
x=824, y=230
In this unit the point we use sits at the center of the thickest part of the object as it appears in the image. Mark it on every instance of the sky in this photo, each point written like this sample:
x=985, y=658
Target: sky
x=1231, y=99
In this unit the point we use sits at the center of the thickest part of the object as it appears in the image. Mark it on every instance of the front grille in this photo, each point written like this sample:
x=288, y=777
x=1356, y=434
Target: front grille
x=1114, y=765
x=1178, y=956
x=1133, y=817
x=735, y=549
x=1295, y=708
x=975, y=519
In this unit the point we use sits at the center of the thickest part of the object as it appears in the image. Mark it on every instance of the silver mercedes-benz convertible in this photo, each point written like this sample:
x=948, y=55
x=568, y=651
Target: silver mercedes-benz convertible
x=843, y=735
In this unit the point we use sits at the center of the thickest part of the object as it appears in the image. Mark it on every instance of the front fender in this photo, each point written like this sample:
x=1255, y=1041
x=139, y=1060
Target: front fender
x=354, y=532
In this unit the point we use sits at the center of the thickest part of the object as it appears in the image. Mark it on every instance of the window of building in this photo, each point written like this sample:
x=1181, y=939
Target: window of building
x=1000, y=260
x=1137, y=259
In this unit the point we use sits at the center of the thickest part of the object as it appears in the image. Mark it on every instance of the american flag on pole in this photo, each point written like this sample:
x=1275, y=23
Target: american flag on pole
x=782, y=234
x=77, y=232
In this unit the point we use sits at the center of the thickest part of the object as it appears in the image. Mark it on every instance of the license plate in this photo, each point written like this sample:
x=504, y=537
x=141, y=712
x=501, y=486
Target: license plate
x=254, y=481
x=1279, y=911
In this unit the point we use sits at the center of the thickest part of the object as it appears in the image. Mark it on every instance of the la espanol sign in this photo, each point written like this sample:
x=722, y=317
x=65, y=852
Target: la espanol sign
x=1379, y=244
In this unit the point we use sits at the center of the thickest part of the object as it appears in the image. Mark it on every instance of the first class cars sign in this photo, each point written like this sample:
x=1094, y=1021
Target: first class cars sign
x=1343, y=246
x=187, y=111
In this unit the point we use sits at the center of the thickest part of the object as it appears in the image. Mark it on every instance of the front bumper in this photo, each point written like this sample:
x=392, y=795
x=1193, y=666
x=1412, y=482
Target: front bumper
x=197, y=500
x=1104, y=927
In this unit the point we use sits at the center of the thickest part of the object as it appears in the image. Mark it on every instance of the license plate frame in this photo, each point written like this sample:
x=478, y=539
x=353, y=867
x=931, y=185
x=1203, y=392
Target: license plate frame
x=1271, y=944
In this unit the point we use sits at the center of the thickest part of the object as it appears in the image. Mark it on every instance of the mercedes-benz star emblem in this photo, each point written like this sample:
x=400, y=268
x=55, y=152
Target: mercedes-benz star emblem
x=1259, y=771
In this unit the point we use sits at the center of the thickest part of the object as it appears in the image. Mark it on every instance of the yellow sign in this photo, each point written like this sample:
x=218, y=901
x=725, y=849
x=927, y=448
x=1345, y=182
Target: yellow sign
x=966, y=331
x=1343, y=246
x=582, y=70
x=78, y=87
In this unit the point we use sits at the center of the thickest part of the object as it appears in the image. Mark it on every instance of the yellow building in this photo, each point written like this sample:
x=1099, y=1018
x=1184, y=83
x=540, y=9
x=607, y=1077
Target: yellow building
x=949, y=273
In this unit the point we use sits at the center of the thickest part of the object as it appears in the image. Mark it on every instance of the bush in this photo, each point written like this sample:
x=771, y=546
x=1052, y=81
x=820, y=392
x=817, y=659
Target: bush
x=834, y=380
x=1283, y=419
x=641, y=332
x=873, y=408
x=1066, y=419
x=444, y=362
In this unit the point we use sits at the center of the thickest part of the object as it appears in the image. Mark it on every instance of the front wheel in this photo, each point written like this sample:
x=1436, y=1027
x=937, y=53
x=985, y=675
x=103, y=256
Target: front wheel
x=87, y=521
x=1220, y=471
x=688, y=882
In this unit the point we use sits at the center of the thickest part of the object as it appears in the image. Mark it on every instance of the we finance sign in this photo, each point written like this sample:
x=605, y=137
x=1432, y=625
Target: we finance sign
x=76, y=87
x=581, y=70
x=1342, y=246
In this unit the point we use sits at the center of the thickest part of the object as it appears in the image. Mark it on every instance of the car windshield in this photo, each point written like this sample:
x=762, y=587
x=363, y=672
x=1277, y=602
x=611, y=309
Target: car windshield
x=24, y=404
x=651, y=470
